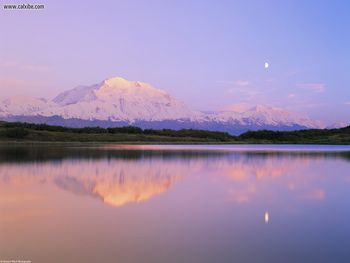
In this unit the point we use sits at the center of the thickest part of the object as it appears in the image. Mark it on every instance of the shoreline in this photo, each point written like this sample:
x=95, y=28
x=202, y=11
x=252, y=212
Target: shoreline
x=41, y=133
x=162, y=143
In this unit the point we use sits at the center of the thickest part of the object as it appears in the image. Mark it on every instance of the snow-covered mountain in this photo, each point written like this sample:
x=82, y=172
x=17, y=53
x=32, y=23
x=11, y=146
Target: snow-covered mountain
x=264, y=115
x=116, y=102
x=337, y=125
x=22, y=105
x=117, y=99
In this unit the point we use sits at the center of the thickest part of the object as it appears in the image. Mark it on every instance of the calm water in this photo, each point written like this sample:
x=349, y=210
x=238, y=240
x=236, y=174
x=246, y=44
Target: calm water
x=175, y=203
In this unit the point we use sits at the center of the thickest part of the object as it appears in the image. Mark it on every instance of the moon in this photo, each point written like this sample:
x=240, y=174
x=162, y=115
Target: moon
x=266, y=65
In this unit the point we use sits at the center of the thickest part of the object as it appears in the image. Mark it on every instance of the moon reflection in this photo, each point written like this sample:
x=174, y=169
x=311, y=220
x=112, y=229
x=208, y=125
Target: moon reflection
x=267, y=217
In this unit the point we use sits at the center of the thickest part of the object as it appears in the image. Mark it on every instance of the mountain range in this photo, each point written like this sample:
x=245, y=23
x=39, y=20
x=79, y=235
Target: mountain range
x=119, y=102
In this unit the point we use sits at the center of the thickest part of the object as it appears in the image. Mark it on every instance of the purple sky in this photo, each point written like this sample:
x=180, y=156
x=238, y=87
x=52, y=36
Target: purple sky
x=209, y=54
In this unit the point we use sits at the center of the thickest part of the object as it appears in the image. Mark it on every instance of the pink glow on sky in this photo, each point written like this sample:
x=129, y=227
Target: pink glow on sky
x=205, y=53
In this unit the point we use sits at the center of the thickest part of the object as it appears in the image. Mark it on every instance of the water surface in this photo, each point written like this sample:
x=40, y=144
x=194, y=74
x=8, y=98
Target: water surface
x=122, y=203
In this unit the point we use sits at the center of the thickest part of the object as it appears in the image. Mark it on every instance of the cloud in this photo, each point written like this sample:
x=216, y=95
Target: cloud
x=241, y=87
x=347, y=103
x=243, y=93
x=242, y=83
x=235, y=83
x=237, y=107
x=12, y=86
x=315, y=87
x=312, y=105
x=10, y=64
x=292, y=73
x=291, y=96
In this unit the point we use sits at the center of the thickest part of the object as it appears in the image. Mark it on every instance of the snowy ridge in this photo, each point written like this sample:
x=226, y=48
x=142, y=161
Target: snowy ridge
x=119, y=100
x=22, y=105
x=261, y=115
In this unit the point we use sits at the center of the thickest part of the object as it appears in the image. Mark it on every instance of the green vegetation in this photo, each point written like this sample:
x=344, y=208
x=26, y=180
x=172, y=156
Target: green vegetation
x=45, y=133
x=312, y=136
x=16, y=132
x=10, y=131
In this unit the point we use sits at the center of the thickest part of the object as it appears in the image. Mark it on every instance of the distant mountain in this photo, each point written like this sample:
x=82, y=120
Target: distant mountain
x=337, y=125
x=119, y=102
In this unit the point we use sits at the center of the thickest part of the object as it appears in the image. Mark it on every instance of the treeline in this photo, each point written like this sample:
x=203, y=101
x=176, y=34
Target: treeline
x=341, y=135
x=21, y=130
x=43, y=132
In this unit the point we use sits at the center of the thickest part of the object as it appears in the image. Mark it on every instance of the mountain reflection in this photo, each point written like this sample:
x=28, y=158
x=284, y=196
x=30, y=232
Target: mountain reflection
x=116, y=183
x=120, y=177
x=256, y=177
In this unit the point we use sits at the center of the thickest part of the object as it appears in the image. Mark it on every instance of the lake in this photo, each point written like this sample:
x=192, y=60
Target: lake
x=172, y=203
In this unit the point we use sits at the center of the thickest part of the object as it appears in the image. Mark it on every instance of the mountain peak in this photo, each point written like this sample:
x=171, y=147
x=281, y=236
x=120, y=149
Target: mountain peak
x=119, y=82
x=118, y=100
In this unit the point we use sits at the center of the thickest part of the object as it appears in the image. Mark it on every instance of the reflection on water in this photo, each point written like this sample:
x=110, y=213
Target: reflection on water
x=175, y=195
x=267, y=217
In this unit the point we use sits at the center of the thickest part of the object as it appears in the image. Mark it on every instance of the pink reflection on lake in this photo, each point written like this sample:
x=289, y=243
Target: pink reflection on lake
x=109, y=203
